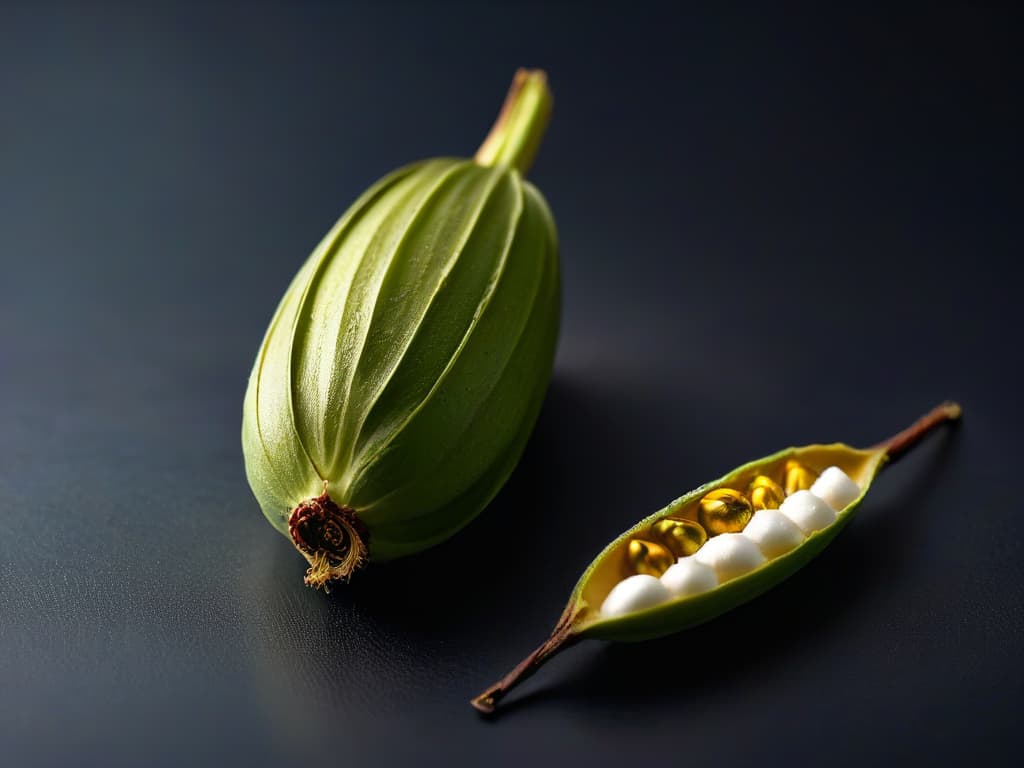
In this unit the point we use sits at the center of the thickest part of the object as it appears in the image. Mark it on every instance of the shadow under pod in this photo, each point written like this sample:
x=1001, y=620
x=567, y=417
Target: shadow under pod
x=509, y=549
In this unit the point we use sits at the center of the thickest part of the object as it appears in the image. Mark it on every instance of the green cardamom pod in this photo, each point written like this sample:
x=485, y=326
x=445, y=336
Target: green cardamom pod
x=729, y=568
x=405, y=366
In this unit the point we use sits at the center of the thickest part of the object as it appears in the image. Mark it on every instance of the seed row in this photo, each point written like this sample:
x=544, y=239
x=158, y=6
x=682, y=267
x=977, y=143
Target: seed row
x=736, y=534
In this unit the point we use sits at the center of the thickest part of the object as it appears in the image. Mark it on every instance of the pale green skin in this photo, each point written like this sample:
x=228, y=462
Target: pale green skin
x=680, y=613
x=407, y=362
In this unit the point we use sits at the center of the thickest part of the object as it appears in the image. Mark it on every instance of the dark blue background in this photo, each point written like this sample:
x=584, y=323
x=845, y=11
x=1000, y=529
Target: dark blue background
x=777, y=228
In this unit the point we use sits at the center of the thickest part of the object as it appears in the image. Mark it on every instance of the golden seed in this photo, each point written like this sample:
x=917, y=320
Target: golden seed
x=765, y=493
x=724, y=511
x=649, y=558
x=681, y=536
x=798, y=477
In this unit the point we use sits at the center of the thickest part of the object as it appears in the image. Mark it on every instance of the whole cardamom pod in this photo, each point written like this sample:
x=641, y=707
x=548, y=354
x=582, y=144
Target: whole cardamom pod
x=405, y=366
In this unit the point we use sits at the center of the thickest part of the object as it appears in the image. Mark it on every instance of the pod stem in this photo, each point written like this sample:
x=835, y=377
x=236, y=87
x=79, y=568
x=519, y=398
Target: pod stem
x=897, y=445
x=516, y=134
x=561, y=638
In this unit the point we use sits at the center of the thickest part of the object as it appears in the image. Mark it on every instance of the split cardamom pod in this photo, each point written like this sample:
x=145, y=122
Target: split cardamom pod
x=405, y=366
x=731, y=567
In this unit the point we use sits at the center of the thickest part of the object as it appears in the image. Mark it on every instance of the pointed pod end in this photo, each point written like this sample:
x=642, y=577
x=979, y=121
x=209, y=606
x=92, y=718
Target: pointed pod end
x=526, y=75
x=484, y=703
x=562, y=637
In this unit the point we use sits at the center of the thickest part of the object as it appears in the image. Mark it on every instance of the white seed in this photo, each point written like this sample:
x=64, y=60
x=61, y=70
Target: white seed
x=633, y=594
x=809, y=512
x=773, y=532
x=689, y=577
x=836, y=488
x=730, y=554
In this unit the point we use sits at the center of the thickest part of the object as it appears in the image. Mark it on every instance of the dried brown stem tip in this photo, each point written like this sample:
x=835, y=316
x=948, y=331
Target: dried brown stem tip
x=899, y=444
x=561, y=638
x=330, y=537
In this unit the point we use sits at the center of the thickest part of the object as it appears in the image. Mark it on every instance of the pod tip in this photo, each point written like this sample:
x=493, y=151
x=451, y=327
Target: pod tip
x=516, y=135
x=484, y=704
x=952, y=409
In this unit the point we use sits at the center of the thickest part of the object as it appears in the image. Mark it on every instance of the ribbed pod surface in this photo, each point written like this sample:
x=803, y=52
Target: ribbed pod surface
x=407, y=362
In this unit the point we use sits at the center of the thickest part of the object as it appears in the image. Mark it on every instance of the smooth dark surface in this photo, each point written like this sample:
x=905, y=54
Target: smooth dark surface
x=776, y=229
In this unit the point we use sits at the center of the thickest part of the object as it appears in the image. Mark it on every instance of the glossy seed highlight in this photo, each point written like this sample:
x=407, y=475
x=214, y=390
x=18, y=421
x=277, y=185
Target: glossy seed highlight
x=724, y=511
x=798, y=477
x=765, y=493
x=649, y=558
x=681, y=536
